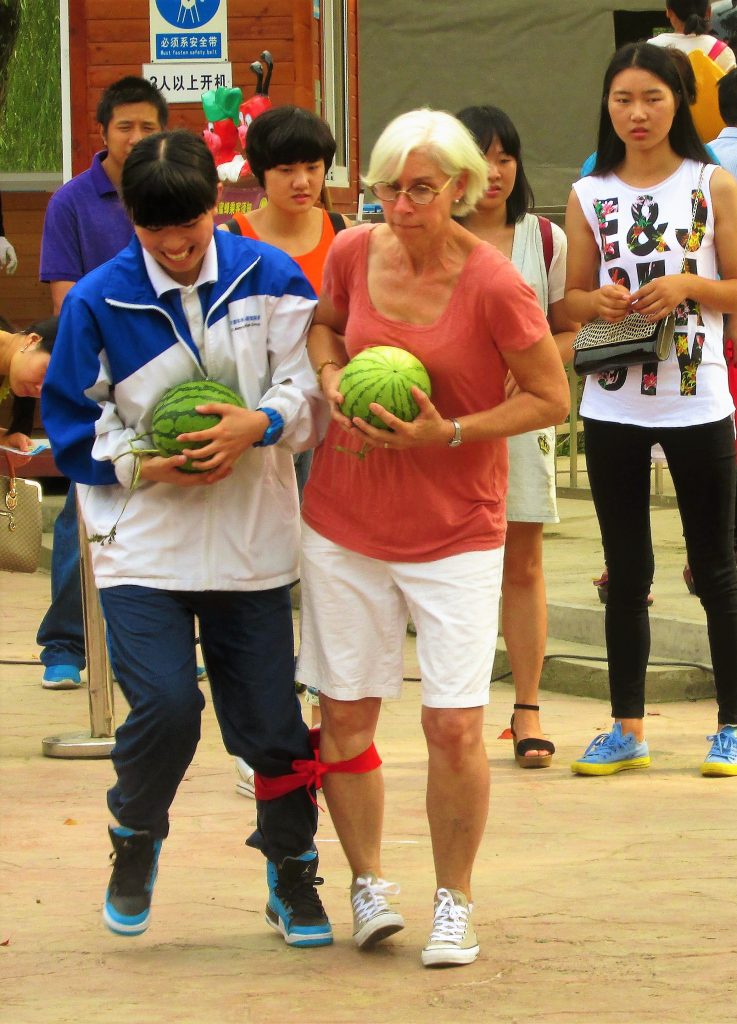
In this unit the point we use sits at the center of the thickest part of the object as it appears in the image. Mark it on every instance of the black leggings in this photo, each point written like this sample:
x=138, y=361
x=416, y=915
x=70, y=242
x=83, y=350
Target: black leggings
x=701, y=460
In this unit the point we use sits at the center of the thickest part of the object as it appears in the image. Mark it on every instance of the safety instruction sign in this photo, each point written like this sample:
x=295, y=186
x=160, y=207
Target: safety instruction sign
x=188, y=30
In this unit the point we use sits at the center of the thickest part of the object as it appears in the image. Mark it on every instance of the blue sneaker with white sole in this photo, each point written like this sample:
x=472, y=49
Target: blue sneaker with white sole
x=722, y=758
x=135, y=859
x=61, y=677
x=611, y=752
x=294, y=908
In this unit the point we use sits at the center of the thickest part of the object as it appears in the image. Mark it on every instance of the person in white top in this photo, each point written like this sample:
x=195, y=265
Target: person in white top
x=691, y=20
x=654, y=229
x=538, y=250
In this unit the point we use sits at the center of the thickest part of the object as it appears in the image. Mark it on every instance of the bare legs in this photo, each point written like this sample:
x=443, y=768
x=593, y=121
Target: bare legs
x=457, y=787
x=457, y=791
x=525, y=621
x=356, y=802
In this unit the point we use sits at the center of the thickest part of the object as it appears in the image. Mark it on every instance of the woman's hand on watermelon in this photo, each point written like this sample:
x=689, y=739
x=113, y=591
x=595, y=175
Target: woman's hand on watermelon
x=168, y=471
x=237, y=430
x=427, y=428
x=330, y=381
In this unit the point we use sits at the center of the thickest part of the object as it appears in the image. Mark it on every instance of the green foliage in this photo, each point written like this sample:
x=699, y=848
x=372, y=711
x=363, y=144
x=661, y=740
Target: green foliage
x=30, y=120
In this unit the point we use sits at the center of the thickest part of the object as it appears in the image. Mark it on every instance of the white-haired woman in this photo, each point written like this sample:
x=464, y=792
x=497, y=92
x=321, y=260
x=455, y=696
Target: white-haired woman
x=418, y=525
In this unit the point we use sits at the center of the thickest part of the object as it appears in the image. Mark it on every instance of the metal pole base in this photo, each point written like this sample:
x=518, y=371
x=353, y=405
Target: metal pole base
x=77, y=745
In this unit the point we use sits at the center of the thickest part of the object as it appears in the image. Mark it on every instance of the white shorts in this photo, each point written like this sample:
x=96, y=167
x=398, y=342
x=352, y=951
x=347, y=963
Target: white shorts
x=531, y=494
x=354, y=613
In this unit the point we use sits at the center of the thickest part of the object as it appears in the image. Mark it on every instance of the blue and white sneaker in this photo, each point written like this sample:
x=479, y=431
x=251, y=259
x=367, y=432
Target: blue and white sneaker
x=722, y=758
x=135, y=859
x=611, y=752
x=61, y=677
x=294, y=908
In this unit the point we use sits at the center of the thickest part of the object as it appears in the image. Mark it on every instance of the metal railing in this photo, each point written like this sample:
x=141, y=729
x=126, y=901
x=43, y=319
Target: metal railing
x=571, y=476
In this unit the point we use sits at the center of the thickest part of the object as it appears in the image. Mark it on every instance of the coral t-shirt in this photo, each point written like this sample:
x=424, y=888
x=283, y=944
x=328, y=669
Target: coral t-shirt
x=425, y=503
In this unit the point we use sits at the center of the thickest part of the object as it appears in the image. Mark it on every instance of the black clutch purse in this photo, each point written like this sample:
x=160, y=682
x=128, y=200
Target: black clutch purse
x=601, y=346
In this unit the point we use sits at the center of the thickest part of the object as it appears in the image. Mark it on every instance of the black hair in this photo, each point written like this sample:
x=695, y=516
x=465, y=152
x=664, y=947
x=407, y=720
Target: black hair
x=131, y=89
x=682, y=135
x=727, y=86
x=169, y=178
x=487, y=124
x=5, y=325
x=23, y=408
x=47, y=330
x=288, y=135
x=686, y=71
x=693, y=13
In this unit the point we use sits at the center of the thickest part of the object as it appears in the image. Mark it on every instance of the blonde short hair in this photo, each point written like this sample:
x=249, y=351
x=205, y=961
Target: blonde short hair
x=444, y=139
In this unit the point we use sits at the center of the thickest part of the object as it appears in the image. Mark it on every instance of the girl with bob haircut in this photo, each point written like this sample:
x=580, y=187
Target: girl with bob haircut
x=184, y=303
x=416, y=524
x=655, y=226
x=538, y=250
x=288, y=135
x=445, y=141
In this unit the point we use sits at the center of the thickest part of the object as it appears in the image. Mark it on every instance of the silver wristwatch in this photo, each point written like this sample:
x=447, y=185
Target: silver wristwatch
x=456, y=439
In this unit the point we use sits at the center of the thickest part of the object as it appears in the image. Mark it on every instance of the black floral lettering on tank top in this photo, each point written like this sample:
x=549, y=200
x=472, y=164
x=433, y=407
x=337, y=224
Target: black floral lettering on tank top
x=644, y=237
x=645, y=234
x=607, y=218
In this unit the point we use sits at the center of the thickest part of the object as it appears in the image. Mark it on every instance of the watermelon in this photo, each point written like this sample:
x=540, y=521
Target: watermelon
x=386, y=375
x=174, y=414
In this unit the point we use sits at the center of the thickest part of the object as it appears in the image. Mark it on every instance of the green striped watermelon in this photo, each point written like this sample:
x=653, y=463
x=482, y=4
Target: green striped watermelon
x=383, y=374
x=174, y=414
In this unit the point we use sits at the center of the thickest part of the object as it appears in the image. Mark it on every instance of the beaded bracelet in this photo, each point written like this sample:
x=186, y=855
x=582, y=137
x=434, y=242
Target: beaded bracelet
x=321, y=367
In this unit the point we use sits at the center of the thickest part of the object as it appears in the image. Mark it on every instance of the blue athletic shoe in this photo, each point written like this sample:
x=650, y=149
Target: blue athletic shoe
x=611, y=752
x=722, y=758
x=294, y=908
x=135, y=859
x=61, y=677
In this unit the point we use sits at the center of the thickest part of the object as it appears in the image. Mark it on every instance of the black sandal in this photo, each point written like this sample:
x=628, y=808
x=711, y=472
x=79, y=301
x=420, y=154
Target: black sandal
x=521, y=748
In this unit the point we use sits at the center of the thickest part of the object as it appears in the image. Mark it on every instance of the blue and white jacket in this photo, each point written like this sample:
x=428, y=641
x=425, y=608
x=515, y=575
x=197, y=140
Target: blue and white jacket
x=119, y=348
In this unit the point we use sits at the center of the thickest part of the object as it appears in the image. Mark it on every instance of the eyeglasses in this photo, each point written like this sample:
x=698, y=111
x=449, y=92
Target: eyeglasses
x=420, y=195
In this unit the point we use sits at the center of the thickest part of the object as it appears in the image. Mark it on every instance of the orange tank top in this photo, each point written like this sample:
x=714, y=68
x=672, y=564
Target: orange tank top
x=311, y=262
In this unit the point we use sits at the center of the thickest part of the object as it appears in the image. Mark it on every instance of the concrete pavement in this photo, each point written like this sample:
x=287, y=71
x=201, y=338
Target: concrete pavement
x=605, y=899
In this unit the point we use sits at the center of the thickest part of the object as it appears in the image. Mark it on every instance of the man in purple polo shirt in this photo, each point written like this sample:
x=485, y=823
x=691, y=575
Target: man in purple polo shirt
x=86, y=225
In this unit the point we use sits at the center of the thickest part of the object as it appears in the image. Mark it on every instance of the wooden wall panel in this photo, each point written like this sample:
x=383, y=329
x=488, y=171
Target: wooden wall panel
x=23, y=298
x=109, y=40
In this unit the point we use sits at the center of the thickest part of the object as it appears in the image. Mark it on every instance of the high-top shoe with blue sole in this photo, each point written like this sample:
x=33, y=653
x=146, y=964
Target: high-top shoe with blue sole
x=294, y=908
x=135, y=859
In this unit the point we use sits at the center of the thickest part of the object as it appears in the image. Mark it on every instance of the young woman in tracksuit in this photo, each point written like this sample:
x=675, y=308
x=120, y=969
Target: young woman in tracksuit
x=183, y=303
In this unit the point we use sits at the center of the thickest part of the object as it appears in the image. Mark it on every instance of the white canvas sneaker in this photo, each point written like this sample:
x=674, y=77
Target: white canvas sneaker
x=373, y=918
x=453, y=940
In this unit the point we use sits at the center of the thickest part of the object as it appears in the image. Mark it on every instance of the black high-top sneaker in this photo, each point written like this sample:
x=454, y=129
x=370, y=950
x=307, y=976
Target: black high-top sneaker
x=294, y=908
x=135, y=859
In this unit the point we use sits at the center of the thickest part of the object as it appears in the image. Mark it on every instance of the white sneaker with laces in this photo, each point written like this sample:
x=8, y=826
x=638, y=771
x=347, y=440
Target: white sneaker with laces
x=373, y=918
x=453, y=940
x=245, y=784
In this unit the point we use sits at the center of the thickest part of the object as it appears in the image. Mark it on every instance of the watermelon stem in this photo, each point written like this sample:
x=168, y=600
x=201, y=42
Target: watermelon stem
x=361, y=454
x=137, y=453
